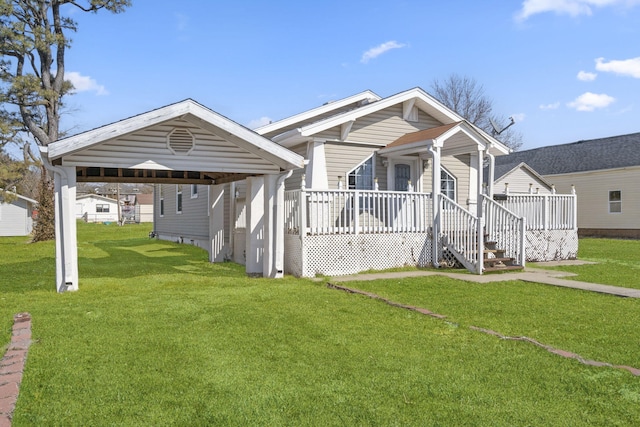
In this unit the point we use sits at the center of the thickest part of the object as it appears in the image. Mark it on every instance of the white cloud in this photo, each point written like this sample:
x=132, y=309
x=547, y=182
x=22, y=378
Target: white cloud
x=567, y=7
x=256, y=123
x=84, y=83
x=553, y=106
x=625, y=67
x=586, y=76
x=374, y=52
x=590, y=101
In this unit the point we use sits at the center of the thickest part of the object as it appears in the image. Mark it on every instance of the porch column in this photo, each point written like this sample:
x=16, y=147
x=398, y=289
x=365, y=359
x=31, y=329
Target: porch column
x=435, y=194
x=273, y=258
x=254, y=247
x=65, y=229
x=491, y=173
x=480, y=215
x=216, y=223
x=317, y=168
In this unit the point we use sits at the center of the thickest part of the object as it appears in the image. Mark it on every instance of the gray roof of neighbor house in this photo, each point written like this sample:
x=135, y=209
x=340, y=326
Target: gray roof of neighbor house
x=594, y=154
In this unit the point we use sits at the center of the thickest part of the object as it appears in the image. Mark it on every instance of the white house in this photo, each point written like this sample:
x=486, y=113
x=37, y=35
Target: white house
x=96, y=208
x=388, y=182
x=16, y=216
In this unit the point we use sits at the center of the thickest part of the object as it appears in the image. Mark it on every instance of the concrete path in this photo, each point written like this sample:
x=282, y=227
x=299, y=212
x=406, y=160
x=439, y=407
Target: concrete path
x=532, y=274
x=12, y=366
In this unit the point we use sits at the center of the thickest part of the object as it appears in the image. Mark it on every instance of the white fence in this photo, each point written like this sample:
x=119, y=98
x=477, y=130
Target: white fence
x=544, y=211
x=321, y=212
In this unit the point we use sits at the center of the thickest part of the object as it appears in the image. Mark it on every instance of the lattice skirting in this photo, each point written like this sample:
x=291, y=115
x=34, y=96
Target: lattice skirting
x=551, y=245
x=333, y=255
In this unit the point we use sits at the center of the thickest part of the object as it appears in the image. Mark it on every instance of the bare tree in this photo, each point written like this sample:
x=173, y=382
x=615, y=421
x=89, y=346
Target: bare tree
x=467, y=98
x=33, y=41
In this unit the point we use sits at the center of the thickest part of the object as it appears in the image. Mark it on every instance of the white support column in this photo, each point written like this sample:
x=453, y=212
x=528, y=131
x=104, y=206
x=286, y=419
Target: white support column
x=435, y=194
x=273, y=258
x=491, y=174
x=254, y=247
x=480, y=259
x=317, y=167
x=216, y=223
x=65, y=229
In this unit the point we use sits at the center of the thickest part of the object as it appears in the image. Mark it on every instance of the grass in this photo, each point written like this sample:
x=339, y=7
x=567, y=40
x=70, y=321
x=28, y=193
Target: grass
x=617, y=262
x=158, y=336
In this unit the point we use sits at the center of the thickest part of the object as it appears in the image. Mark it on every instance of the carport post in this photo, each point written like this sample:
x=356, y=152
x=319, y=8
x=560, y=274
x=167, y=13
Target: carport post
x=254, y=226
x=65, y=228
x=273, y=257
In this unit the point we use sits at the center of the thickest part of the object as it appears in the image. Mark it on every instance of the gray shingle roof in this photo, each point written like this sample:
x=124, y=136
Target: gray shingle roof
x=594, y=154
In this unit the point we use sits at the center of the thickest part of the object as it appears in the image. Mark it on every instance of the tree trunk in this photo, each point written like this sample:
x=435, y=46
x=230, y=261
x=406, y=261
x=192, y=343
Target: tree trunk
x=45, y=225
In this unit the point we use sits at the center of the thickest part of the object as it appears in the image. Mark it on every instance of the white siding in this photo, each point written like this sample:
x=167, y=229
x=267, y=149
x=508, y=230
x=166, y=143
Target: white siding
x=592, y=189
x=519, y=181
x=15, y=218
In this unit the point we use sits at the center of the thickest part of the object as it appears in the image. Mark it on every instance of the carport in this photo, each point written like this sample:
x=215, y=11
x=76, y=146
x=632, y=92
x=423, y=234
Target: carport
x=182, y=143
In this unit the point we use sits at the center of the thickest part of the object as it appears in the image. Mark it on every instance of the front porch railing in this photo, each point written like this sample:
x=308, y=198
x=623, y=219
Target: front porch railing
x=544, y=211
x=321, y=212
x=506, y=228
x=459, y=234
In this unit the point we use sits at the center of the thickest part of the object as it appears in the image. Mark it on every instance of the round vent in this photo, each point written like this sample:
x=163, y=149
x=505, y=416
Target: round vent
x=180, y=141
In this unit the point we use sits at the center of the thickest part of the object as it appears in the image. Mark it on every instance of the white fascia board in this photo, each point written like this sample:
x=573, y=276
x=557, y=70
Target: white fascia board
x=323, y=109
x=412, y=148
x=377, y=106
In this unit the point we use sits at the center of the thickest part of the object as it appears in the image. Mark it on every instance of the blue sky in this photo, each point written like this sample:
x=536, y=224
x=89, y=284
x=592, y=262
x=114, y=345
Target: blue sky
x=566, y=70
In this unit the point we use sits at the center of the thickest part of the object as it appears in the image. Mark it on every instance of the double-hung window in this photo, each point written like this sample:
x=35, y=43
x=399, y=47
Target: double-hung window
x=447, y=184
x=179, y=199
x=615, y=201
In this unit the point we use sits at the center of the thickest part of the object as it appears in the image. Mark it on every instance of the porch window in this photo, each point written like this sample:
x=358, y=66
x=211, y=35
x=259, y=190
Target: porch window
x=447, y=184
x=361, y=178
x=102, y=208
x=194, y=191
x=178, y=199
x=615, y=201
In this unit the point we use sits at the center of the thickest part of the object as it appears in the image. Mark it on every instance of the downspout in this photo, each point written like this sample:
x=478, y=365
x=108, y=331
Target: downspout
x=435, y=195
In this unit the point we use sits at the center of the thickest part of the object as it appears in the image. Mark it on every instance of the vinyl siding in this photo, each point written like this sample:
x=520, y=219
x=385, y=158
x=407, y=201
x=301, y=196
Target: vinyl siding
x=294, y=181
x=385, y=126
x=460, y=168
x=193, y=223
x=592, y=189
x=519, y=181
x=342, y=158
x=15, y=218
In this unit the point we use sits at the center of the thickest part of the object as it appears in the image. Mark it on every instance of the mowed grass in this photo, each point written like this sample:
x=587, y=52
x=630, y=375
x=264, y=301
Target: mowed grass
x=158, y=336
x=615, y=262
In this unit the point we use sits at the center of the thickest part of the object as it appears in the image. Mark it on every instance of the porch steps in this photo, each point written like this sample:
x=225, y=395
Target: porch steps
x=494, y=259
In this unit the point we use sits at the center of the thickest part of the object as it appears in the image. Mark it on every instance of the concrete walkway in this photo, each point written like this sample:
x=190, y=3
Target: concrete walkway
x=532, y=274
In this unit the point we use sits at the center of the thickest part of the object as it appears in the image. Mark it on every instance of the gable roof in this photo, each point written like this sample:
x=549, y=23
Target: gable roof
x=190, y=113
x=504, y=170
x=413, y=97
x=326, y=109
x=595, y=154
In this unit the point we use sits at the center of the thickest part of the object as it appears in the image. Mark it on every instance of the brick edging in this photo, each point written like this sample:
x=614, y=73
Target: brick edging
x=12, y=366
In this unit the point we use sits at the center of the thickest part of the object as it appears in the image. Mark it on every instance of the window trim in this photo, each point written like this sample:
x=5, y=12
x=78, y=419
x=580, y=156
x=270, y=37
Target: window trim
x=444, y=170
x=615, y=202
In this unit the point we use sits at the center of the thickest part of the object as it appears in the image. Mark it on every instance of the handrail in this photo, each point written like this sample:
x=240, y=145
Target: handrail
x=459, y=233
x=506, y=228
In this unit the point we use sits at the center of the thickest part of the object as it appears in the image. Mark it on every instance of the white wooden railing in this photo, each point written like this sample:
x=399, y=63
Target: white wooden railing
x=321, y=212
x=506, y=228
x=544, y=211
x=459, y=233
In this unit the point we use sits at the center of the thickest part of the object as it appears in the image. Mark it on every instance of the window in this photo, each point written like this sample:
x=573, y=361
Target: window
x=194, y=191
x=102, y=208
x=161, y=195
x=361, y=178
x=178, y=199
x=447, y=184
x=615, y=201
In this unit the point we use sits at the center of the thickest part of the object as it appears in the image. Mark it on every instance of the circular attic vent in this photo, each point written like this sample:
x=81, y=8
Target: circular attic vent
x=181, y=141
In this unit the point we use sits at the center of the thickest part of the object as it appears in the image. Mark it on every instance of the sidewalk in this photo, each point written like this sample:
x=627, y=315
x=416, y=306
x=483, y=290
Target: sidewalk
x=530, y=274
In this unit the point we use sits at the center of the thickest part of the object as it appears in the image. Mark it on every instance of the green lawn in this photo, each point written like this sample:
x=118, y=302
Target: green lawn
x=158, y=336
x=617, y=262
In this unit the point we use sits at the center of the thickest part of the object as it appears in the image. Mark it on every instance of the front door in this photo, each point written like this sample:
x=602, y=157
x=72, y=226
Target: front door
x=402, y=176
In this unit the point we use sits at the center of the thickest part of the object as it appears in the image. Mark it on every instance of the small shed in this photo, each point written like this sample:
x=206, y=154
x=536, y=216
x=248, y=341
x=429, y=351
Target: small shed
x=16, y=216
x=144, y=206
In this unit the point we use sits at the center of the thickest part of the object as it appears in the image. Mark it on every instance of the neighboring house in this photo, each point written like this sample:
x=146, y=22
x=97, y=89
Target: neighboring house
x=144, y=207
x=519, y=179
x=16, y=216
x=605, y=173
x=388, y=182
x=96, y=208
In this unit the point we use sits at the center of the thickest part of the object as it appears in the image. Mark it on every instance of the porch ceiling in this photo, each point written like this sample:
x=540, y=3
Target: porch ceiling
x=180, y=143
